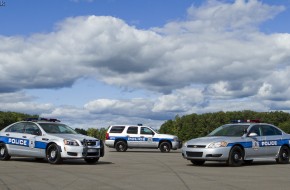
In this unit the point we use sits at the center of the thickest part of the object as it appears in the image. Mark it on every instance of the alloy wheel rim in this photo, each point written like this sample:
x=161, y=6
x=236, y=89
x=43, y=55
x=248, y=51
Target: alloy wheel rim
x=165, y=148
x=53, y=154
x=236, y=157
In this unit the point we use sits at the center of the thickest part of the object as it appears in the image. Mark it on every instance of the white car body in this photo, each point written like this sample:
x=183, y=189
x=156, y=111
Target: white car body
x=122, y=137
x=36, y=139
x=237, y=143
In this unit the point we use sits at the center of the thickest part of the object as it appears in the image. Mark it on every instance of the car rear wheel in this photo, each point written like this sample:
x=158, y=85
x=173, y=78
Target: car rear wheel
x=165, y=147
x=4, y=152
x=53, y=154
x=91, y=160
x=121, y=146
x=236, y=157
x=197, y=162
x=283, y=157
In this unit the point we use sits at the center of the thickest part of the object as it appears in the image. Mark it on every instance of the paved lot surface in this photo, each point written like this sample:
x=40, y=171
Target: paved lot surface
x=140, y=169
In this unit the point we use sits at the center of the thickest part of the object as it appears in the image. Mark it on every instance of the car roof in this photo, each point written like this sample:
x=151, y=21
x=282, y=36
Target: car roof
x=134, y=125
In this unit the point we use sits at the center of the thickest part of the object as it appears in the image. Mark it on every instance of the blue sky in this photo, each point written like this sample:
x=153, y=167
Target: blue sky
x=92, y=63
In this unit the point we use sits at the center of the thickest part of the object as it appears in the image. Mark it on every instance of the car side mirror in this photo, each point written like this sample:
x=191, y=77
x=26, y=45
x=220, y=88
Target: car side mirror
x=36, y=133
x=253, y=134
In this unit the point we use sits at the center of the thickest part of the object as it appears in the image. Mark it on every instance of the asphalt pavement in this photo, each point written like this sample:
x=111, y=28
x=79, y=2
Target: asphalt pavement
x=141, y=169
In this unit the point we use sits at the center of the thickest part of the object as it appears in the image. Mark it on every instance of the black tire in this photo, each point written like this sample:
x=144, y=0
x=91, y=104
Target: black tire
x=53, y=154
x=121, y=146
x=4, y=152
x=236, y=156
x=197, y=162
x=165, y=147
x=283, y=157
x=91, y=160
x=102, y=149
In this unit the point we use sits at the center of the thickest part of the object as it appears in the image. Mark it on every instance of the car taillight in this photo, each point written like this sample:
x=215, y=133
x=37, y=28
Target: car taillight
x=107, y=136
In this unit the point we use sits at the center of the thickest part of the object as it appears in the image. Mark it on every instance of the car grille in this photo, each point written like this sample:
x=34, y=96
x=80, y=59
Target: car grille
x=196, y=146
x=90, y=142
x=194, y=154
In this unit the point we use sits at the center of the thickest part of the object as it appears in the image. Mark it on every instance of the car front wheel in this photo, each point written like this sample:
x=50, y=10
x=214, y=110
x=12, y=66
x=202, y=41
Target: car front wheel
x=236, y=157
x=4, y=152
x=53, y=154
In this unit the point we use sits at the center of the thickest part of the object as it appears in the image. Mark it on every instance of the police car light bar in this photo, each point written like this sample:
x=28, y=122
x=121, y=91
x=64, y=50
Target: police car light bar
x=42, y=119
x=246, y=121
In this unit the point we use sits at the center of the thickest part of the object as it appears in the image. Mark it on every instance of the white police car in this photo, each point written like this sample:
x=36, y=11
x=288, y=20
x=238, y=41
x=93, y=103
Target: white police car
x=123, y=137
x=238, y=143
x=48, y=138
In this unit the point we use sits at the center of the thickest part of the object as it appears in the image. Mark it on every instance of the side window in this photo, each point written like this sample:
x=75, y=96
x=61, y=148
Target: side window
x=16, y=128
x=146, y=131
x=268, y=130
x=277, y=131
x=132, y=130
x=117, y=129
x=255, y=129
x=31, y=128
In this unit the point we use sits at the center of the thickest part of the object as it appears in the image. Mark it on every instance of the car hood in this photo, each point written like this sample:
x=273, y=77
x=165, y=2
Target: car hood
x=208, y=140
x=164, y=136
x=79, y=137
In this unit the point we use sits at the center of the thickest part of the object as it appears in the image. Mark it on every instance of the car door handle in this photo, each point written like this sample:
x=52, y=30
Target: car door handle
x=45, y=139
x=142, y=136
x=7, y=135
x=24, y=136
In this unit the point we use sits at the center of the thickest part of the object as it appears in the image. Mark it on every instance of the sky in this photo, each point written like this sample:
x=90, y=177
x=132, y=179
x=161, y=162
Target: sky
x=95, y=63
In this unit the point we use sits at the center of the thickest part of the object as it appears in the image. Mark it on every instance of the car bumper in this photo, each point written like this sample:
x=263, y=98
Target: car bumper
x=70, y=152
x=214, y=154
x=176, y=145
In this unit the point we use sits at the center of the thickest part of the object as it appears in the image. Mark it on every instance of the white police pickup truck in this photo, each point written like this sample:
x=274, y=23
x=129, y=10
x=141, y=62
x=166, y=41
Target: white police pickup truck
x=49, y=139
x=122, y=137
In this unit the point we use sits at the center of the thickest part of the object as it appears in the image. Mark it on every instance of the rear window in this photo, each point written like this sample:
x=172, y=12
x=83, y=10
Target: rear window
x=17, y=128
x=117, y=129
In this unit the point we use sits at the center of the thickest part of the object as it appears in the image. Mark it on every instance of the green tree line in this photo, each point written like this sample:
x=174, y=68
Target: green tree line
x=93, y=132
x=198, y=125
x=185, y=127
x=7, y=118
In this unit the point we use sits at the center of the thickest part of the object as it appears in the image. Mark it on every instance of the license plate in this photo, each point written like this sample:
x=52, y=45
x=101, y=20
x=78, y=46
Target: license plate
x=90, y=150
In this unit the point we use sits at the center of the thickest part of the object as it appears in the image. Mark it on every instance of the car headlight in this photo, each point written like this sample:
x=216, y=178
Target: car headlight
x=218, y=144
x=71, y=142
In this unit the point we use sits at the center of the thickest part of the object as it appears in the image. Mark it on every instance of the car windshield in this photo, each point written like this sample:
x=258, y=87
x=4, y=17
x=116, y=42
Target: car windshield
x=230, y=130
x=57, y=128
x=153, y=130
